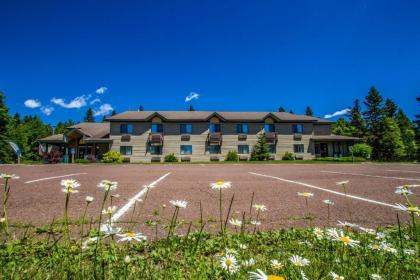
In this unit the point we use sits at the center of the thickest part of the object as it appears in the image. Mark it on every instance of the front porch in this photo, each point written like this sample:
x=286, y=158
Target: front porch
x=333, y=145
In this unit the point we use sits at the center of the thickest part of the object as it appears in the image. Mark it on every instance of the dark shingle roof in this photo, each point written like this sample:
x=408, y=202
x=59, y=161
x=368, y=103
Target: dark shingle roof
x=53, y=138
x=92, y=130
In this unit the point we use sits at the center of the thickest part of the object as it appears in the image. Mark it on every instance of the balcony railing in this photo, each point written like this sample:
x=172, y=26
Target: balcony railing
x=214, y=138
x=155, y=139
x=271, y=137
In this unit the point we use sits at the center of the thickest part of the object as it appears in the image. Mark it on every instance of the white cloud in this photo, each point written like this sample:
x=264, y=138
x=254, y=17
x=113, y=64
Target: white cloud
x=32, y=103
x=47, y=110
x=338, y=113
x=96, y=100
x=191, y=96
x=104, y=109
x=76, y=103
x=101, y=90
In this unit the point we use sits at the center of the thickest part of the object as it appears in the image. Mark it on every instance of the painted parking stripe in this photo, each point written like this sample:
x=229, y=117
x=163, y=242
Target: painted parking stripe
x=130, y=203
x=55, y=177
x=327, y=190
x=369, y=175
x=404, y=171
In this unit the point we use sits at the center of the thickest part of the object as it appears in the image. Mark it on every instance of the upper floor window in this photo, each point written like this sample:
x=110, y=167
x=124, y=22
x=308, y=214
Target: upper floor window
x=297, y=128
x=126, y=150
x=243, y=149
x=126, y=128
x=269, y=127
x=214, y=127
x=298, y=148
x=186, y=128
x=186, y=150
x=157, y=128
x=242, y=128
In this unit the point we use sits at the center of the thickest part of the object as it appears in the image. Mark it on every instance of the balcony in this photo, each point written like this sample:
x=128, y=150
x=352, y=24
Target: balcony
x=155, y=139
x=271, y=137
x=297, y=136
x=214, y=138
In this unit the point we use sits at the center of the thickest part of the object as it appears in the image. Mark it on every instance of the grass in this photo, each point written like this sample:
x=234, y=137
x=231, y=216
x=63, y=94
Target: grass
x=66, y=250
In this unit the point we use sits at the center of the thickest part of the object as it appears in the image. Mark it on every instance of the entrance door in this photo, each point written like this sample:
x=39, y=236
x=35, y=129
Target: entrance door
x=84, y=151
x=323, y=147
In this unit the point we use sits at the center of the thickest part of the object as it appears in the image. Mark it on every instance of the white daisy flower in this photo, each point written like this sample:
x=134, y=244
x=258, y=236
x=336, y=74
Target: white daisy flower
x=346, y=224
x=403, y=190
x=299, y=261
x=388, y=248
x=380, y=236
x=109, y=229
x=229, y=263
x=335, y=276
x=318, y=232
x=131, y=236
x=110, y=210
x=2, y=220
x=108, y=185
x=260, y=207
x=327, y=201
x=8, y=176
x=235, y=222
x=368, y=230
x=342, y=183
x=412, y=209
x=255, y=223
x=375, y=246
x=305, y=194
x=260, y=275
x=376, y=277
x=341, y=237
x=243, y=246
x=89, y=199
x=220, y=185
x=276, y=264
x=248, y=263
x=127, y=259
x=179, y=203
x=69, y=190
x=409, y=252
x=70, y=185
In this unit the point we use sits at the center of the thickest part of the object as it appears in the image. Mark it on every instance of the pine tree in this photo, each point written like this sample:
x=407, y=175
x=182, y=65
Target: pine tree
x=356, y=120
x=309, y=111
x=141, y=108
x=408, y=134
x=291, y=111
x=5, y=151
x=391, y=146
x=374, y=116
x=342, y=127
x=281, y=109
x=390, y=108
x=191, y=108
x=113, y=113
x=89, y=116
x=260, y=150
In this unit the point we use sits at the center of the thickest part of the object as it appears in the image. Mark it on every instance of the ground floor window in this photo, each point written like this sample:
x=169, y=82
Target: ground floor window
x=155, y=150
x=126, y=150
x=243, y=149
x=186, y=149
x=214, y=149
x=298, y=148
x=272, y=148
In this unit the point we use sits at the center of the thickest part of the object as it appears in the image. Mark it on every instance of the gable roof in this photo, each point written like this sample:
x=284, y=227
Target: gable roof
x=92, y=130
x=206, y=115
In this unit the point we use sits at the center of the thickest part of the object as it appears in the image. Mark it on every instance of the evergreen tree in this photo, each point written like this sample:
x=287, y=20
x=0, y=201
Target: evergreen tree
x=113, y=113
x=356, y=120
x=291, y=111
x=89, y=116
x=390, y=108
x=141, y=108
x=374, y=116
x=309, y=111
x=260, y=150
x=61, y=127
x=5, y=151
x=281, y=109
x=408, y=135
x=342, y=127
x=191, y=108
x=391, y=146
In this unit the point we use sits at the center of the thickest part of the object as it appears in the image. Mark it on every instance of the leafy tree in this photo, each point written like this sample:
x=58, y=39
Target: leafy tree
x=309, y=111
x=89, y=116
x=408, y=134
x=374, y=116
x=391, y=146
x=390, y=108
x=356, y=120
x=5, y=151
x=343, y=127
x=362, y=150
x=281, y=109
x=260, y=150
x=191, y=108
x=417, y=129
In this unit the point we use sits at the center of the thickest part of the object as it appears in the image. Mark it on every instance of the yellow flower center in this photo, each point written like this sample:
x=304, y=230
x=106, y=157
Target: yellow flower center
x=219, y=183
x=275, y=277
x=228, y=262
x=375, y=246
x=130, y=234
x=345, y=239
x=298, y=263
x=305, y=194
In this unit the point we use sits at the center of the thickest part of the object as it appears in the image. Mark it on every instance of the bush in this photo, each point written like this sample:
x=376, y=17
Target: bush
x=362, y=150
x=171, y=158
x=112, y=157
x=288, y=156
x=232, y=156
x=81, y=160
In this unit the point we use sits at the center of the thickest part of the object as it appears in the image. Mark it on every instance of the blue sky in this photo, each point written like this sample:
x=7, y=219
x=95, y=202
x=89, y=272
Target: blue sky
x=236, y=55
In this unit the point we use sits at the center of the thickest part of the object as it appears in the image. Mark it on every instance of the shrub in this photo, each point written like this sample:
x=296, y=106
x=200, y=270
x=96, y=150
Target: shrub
x=112, y=157
x=362, y=150
x=81, y=160
x=288, y=156
x=171, y=158
x=232, y=156
x=53, y=156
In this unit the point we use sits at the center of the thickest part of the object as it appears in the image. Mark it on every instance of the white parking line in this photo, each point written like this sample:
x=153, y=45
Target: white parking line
x=55, y=177
x=130, y=203
x=369, y=175
x=404, y=171
x=326, y=190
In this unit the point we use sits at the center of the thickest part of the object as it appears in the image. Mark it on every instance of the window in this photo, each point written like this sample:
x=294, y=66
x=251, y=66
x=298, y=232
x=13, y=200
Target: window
x=214, y=127
x=269, y=127
x=272, y=148
x=186, y=128
x=298, y=148
x=155, y=150
x=157, y=128
x=242, y=128
x=126, y=150
x=214, y=149
x=126, y=128
x=186, y=149
x=297, y=128
x=243, y=149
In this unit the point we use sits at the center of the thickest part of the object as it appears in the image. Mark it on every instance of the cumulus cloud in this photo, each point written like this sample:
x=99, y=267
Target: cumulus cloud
x=191, y=96
x=76, y=103
x=104, y=109
x=96, y=100
x=338, y=113
x=32, y=103
x=101, y=90
x=47, y=110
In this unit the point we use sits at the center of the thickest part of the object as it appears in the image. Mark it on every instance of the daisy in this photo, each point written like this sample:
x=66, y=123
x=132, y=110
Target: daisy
x=388, y=248
x=305, y=194
x=220, y=185
x=109, y=229
x=342, y=183
x=179, y=203
x=402, y=190
x=375, y=246
x=8, y=176
x=69, y=190
x=335, y=276
x=328, y=202
x=376, y=277
x=243, y=246
x=409, y=252
x=341, y=237
x=260, y=275
x=299, y=261
x=368, y=230
x=318, y=233
x=249, y=262
x=110, y=210
x=235, y=222
x=131, y=236
x=89, y=199
x=380, y=236
x=228, y=263
x=2, y=220
x=412, y=209
x=346, y=224
x=107, y=185
x=255, y=223
x=276, y=264
x=127, y=259
x=260, y=207
x=69, y=185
